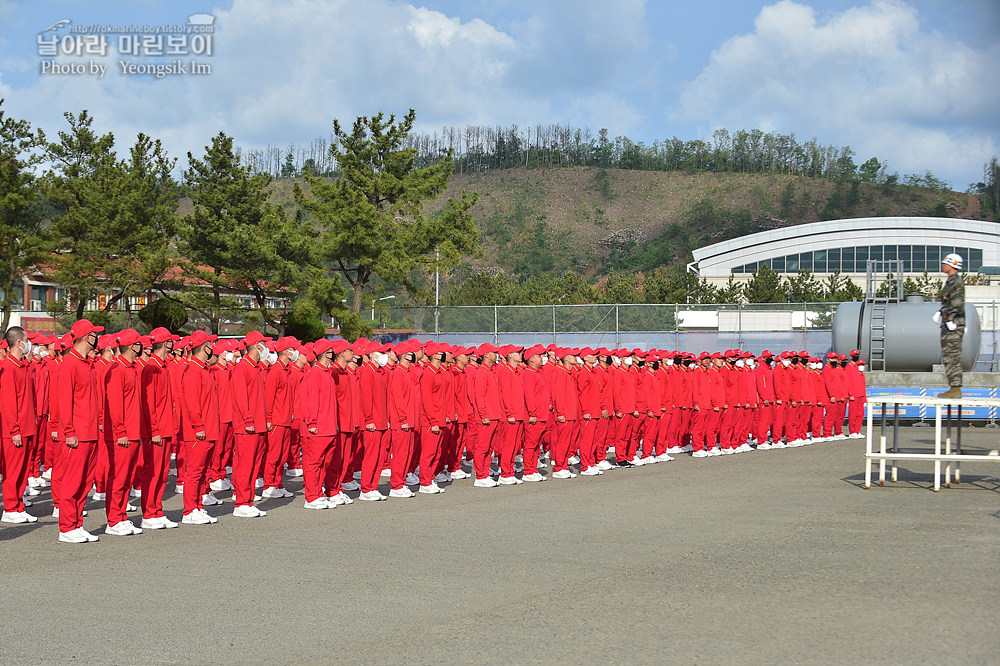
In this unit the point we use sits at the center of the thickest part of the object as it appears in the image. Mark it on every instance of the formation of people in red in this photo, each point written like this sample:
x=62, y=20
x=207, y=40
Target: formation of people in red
x=109, y=413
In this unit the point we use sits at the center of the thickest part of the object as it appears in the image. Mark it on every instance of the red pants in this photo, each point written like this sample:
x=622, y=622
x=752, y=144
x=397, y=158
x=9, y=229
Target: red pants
x=856, y=415
x=816, y=421
x=295, y=447
x=248, y=457
x=156, y=467
x=701, y=425
x=601, y=438
x=533, y=433
x=317, y=456
x=564, y=433
x=587, y=439
x=430, y=453
x=197, y=455
x=99, y=470
x=402, y=451
x=121, y=469
x=15, y=472
x=343, y=453
x=35, y=463
x=663, y=430
x=511, y=440
x=222, y=453
x=834, y=419
x=623, y=434
x=763, y=422
x=279, y=440
x=486, y=443
x=73, y=469
x=376, y=447
x=352, y=454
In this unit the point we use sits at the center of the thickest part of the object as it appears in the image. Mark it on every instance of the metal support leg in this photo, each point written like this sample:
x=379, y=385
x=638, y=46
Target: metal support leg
x=868, y=449
x=947, y=449
x=958, y=447
x=895, y=439
x=881, y=447
x=937, y=448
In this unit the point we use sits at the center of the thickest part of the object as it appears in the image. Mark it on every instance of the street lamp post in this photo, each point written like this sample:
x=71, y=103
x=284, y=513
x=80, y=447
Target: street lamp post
x=376, y=300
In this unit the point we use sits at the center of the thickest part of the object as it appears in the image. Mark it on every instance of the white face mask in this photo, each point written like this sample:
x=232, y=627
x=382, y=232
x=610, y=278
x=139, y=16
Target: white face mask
x=380, y=359
x=627, y=361
x=272, y=357
x=545, y=359
x=785, y=362
x=42, y=353
x=750, y=363
x=229, y=357
x=27, y=347
x=616, y=361
x=262, y=350
x=740, y=363
x=861, y=368
x=293, y=355
x=669, y=361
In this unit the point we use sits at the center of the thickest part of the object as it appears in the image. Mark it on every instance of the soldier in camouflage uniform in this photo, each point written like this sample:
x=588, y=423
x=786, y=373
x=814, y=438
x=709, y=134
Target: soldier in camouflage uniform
x=952, y=320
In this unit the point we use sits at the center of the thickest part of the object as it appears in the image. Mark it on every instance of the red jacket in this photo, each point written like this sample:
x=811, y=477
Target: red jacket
x=819, y=388
x=278, y=394
x=434, y=385
x=782, y=382
x=487, y=395
x=175, y=371
x=77, y=393
x=536, y=394
x=733, y=385
x=764, y=376
x=374, y=409
x=41, y=381
x=402, y=403
x=623, y=383
x=717, y=386
x=512, y=403
x=318, y=399
x=200, y=402
x=158, y=401
x=17, y=404
x=220, y=373
x=807, y=390
x=460, y=384
x=607, y=388
x=247, y=386
x=295, y=376
x=122, y=402
x=346, y=423
x=750, y=387
x=588, y=387
x=650, y=384
x=836, y=387
x=565, y=397
x=855, y=382
x=701, y=388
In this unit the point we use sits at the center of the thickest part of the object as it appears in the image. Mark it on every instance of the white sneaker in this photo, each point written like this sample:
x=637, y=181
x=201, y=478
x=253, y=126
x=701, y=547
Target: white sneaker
x=152, y=524
x=778, y=445
x=591, y=471
x=402, y=493
x=17, y=517
x=318, y=503
x=204, y=513
x=443, y=477
x=386, y=472
x=179, y=489
x=351, y=485
x=372, y=496
x=134, y=494
x=535, y=478
x=259, y=483
x=605, y=465
x=700, y=454
x=432, y=489
x=649, y=460
x=166, y=522
x=488, y=482
x=714, y=451
x=664, y=457
x=98, y=496
x=293, y=473
x=344, y=498
x=31, y=491
x=459, y=474
x=131, y=507
x=73, y=536
x=87, y=535
x=195, y=518
x=124, y=528
x=573, y=460
x=273, y=492
x=687, y=448
x=675, y=449
x=208, y=499
x=728, y=452
x=764, y=447
x=220, y=485
x=335, y=500
x=47, y=474
x=248, y=511
x=508, y=481
x=257, y=497
x=412, y=479
x=563, y=474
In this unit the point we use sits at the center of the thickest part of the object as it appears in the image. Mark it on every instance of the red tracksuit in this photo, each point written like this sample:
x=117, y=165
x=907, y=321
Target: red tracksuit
x=837, y=390
x=402, y=408
x=856, y=397
x=512, y=407
x=318, y=398
x=822, y=402
x=434, y=386
x=122, y=418
x=537, y=402
x=161, y=419
x=565, y=404
x=17, y=418
x=623, y=386
x=606, y=424
x=247, y=386
x=373, y=383
x=781, y=377
x=295, y=375
x=223, y=452
x=78, y=410
x=278, y=396
x=486, y=393
x=588, y=387
x=99, y=474
x=651, y=389
x=764, y=419
x=200, y=404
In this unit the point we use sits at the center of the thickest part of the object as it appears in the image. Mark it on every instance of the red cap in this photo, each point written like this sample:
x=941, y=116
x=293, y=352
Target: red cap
x=718, y=355
x=587, y=351
x=220, y=347
x=854, y=351
x=485, y=349
x=841, y=357
x=199, y=338
x=321, y=346
x=766, y=354
x=106, y=342
x=83, y=328
x=253, y=337
x=832, y=355
x=803, y=353
x=537, y=350
x=746, y=354
x=704, y=355
x=287, y=342
x=338, y=346
x=162, y=335
x=127, y=338
x=861, y=361
x=144, y=339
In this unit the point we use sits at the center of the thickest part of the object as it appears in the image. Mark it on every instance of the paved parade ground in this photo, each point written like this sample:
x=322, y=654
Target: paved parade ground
x=772, y=556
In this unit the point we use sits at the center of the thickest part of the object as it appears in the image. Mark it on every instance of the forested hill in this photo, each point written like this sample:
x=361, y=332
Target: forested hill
x=591, y=220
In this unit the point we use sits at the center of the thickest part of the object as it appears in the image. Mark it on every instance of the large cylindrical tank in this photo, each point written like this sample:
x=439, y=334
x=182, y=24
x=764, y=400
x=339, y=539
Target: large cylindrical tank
x=912, y=339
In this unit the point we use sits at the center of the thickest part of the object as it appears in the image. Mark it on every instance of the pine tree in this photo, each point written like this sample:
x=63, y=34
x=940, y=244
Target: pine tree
x=765, y=287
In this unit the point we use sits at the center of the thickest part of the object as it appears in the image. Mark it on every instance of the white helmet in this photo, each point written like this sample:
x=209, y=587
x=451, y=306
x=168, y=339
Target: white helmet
x=953, y=260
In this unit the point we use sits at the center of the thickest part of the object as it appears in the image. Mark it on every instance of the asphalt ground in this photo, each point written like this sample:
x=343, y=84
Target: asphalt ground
x=773, y=556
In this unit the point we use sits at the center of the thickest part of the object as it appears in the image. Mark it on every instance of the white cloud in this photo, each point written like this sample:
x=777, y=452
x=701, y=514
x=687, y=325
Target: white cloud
x=870, y=77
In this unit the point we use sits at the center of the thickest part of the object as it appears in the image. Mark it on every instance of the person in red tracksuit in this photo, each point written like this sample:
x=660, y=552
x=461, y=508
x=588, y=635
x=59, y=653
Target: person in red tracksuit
x=122, y=431
x=318, y=400
x=513, y=413
x=297, y=370
x=857, y=395
x=224, y=446
x=626, y=413
x=40, y=379
x=78, y=431
x=781, y=378
x=605, y=425
x=793, y=413
x=665, y=379
x=278, y=398
x=821, y=398
x=373, y=382
x=434, y=385
x=752, y=400
x=249, y=424
x=538, y=403
x=734, y=394
x=463, y=411
x=764, y=418
x=200, y=430
x=679, y=436
x=488, y=411
x=403, y=419
x=161, y=420
x=106, y=350
x=807, y=400
x=835, y=388
x=176, y=363
x=588, y=386
x=17, y=424
x=718, y=388
x=54, y=446
x=348, y=416
x=702, y=398
x=566, y=410
x=650, y=386
x=472, y=428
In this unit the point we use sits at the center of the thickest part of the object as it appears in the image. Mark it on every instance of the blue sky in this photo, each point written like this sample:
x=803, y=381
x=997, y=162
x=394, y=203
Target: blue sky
x=912, y=82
